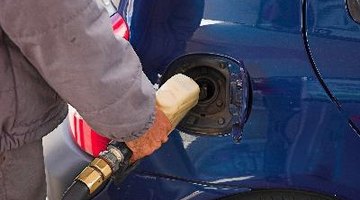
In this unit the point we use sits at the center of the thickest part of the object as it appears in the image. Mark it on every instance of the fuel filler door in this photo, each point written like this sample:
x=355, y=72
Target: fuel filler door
x=225, y=94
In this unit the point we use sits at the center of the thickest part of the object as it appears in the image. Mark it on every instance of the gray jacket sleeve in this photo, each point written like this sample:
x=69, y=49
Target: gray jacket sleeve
x=72, y=46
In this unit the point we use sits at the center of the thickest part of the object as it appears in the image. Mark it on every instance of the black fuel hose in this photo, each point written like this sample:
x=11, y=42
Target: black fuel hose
x=77, y=191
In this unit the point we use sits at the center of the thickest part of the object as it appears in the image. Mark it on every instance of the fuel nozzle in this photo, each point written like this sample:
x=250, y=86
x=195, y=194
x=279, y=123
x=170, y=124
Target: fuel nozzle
x=174, y=98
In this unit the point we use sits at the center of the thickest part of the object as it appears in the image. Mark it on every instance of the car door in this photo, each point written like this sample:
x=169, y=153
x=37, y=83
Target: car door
x=333, y=36
x=293, y=136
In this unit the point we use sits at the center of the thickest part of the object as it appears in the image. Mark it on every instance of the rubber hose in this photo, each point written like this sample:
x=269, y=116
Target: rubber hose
x=77, y=191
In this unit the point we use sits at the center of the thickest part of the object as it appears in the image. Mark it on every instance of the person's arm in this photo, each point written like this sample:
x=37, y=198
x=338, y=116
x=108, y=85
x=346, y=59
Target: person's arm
x=72, y=46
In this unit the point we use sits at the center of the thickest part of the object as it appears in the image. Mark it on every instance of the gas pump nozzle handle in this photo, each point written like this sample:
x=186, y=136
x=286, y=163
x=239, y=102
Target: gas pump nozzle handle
x=174, y=98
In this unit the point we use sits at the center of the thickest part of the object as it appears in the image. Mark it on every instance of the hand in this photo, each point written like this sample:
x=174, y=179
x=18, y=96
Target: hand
x=152, y=139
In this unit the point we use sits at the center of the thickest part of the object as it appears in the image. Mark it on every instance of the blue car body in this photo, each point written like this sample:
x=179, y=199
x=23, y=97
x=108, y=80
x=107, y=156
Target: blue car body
x=302, y=57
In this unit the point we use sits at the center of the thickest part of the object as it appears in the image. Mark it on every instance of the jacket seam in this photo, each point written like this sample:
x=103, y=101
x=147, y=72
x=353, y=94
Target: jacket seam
x=13, y=78
x=36, y=132
x=29, y=123
x=44, y=124
x=136, y=134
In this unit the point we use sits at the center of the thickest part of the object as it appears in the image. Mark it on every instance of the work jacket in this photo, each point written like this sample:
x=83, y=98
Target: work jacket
x=59, y=52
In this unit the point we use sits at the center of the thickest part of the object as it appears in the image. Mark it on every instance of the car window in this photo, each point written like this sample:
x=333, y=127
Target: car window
x=354, y=9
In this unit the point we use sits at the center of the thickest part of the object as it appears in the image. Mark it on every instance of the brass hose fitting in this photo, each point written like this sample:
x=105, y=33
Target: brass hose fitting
x=101, y=168
x=95, y=174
